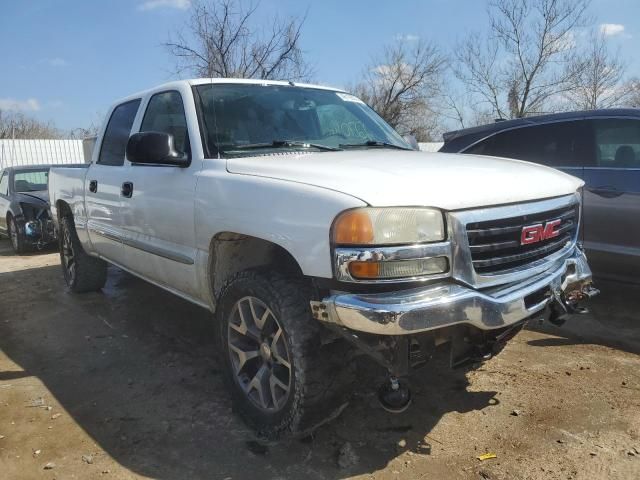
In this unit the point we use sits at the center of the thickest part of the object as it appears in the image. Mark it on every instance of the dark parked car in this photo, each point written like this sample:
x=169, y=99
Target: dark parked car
x=24, y=207
x=603, y=148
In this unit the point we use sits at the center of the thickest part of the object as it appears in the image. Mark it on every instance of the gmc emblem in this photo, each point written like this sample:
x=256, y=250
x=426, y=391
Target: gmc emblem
x=539, y=232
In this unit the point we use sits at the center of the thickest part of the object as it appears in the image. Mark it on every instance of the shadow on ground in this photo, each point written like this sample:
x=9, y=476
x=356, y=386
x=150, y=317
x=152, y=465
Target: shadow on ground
x=135, y=368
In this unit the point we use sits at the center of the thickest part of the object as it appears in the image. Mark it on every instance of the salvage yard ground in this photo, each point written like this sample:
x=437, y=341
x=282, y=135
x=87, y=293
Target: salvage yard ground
x=125, y=384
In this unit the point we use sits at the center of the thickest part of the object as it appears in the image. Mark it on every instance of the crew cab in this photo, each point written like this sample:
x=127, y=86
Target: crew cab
x=314, y=233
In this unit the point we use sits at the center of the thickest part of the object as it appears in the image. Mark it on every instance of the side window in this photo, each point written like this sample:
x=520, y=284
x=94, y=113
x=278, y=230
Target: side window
x=165, y=113
x=4, y=184
x=116, y=136
x=617, y=143
x=554, y=144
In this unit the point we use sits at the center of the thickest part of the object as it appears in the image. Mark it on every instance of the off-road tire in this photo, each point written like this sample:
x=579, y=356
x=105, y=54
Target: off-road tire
x=321, y=375
x=16, y=236
x=90, y=273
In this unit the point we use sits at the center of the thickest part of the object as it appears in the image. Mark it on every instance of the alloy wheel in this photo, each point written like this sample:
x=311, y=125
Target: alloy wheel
x=13, y=231
x=259, y=354
x=68, y=256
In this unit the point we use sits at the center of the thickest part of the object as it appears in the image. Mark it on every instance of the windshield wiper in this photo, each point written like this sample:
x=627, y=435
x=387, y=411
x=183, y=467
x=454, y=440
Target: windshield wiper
x=374, y=143
x=283, y=144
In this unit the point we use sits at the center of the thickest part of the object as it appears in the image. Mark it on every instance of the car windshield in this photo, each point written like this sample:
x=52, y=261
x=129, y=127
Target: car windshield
x=240, y=119
x=30, y=180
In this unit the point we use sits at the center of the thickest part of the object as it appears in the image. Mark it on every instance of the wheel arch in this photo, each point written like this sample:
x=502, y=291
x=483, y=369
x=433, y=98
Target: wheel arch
x=233, y=252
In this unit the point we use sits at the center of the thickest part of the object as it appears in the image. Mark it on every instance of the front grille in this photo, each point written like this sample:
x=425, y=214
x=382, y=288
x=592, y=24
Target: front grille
x=496, y=244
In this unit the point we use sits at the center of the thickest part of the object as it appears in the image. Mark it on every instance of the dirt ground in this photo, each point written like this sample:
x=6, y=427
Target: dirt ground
x=124, y=384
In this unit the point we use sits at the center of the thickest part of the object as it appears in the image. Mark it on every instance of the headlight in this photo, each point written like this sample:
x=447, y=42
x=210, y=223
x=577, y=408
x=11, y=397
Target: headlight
x=388, y=226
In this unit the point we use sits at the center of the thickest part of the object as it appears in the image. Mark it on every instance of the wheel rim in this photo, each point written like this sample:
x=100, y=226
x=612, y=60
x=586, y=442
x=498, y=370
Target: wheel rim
x=259, y=354
x=13, y=230
x=67, y=254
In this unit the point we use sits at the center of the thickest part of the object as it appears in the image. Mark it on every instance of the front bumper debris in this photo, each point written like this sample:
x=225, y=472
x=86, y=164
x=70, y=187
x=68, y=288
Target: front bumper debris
x=38, y=233
x=443, y=304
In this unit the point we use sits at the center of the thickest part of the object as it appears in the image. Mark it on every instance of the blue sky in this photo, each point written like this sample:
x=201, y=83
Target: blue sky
x=68, y=60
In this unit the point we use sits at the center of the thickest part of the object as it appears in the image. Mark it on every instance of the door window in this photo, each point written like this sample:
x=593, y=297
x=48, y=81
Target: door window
x=116, y=136
x=617, y=143
x=4, y=184
x=553, y=144
x=165, y=113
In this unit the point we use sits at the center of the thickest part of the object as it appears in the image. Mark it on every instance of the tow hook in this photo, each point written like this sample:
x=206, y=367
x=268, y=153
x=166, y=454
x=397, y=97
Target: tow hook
x=395, y=395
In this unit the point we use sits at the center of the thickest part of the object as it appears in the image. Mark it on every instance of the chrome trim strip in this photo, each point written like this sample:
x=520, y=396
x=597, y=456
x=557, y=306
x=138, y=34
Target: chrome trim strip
x=105, y=233
x=343, y=256
x=445, y=303
x=159, y=251
x=145, y=247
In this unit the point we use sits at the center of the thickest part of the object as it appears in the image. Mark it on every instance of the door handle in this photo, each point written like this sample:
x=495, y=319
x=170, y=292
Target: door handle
x=605, y=191
x=127, y=189
x=93, y=186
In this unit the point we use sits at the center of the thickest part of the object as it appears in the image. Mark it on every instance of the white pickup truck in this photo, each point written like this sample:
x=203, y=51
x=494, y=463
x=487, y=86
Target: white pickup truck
x=315, y=233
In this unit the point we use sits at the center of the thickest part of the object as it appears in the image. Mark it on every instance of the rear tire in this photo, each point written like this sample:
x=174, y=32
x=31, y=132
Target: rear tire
x=16, y=236
x=82, y=272
x=283, y=382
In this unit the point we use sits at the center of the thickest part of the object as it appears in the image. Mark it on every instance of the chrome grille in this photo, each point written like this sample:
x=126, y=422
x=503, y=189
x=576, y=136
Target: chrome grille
x=496, y=244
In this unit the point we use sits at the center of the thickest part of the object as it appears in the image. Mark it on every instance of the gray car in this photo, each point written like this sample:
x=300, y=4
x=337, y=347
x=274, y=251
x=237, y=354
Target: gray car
x=603, y=148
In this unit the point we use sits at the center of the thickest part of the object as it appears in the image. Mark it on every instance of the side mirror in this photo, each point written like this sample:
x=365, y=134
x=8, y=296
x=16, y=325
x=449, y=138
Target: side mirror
x=155, y=148
x=411, y=140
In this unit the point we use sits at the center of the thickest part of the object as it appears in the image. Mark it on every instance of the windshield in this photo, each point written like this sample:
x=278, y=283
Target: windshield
x=238, y=119
x=30, y=180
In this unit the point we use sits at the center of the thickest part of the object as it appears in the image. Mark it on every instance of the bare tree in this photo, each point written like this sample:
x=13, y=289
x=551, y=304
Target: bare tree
x=401, y=85
x=19, y=126
x=600, y=81
x=527, y=60
x=223, y=41
x=633, y=100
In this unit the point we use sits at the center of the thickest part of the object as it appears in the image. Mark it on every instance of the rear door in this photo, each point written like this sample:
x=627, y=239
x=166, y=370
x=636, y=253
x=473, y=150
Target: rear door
x=103, y=187
x=612, y=198
x=158, y=217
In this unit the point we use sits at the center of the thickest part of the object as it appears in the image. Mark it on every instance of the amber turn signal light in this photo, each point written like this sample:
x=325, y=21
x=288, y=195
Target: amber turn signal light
x=353, y=228
x=364, y=270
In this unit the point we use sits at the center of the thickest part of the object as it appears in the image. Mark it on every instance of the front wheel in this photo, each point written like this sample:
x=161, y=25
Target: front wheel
x=82, y=272
x=18, y=241
x=282, y=381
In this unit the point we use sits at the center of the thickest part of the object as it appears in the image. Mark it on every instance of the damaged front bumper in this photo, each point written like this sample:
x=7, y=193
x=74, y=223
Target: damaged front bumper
x=552, y=293
x=38, y=233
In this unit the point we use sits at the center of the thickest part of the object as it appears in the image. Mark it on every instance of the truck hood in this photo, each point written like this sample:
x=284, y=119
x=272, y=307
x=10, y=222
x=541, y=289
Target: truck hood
x=384, y=177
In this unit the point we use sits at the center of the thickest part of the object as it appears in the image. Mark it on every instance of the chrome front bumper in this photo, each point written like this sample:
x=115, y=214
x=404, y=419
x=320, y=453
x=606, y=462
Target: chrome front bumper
x=444, y=304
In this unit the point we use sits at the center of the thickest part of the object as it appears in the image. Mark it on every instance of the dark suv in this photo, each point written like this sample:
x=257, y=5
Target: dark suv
x=600, y=146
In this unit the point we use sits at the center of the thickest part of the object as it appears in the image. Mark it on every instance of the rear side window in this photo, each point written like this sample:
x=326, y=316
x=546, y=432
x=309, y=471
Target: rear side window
x=116, y=136
x=554, y=144
x=165, y=113
x=4, y=184
x=617, y=143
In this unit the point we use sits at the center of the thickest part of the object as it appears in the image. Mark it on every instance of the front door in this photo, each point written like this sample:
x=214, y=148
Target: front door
x=612, y=198
x=103, y=185
x=158, y=217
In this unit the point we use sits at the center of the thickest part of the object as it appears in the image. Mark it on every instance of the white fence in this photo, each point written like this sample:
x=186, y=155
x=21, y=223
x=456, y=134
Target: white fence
x=430, y=146
x=35, y=152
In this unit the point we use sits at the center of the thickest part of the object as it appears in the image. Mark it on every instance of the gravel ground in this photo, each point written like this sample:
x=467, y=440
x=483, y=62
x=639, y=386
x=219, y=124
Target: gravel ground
x=124, y=384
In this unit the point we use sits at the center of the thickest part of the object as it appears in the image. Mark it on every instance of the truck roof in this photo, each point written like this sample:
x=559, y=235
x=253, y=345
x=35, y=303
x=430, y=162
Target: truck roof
x=204, y=81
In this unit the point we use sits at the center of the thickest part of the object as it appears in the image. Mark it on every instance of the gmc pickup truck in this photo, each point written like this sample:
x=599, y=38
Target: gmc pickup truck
x=314, y=233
